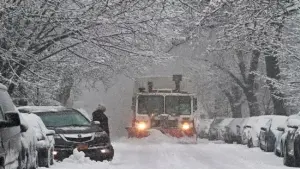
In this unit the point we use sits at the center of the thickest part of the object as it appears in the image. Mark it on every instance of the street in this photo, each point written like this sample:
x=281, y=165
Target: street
x=161, y=154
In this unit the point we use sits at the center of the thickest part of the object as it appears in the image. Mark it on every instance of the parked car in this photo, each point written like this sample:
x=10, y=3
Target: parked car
x=74, y=130
x=282, y=130
x=44, y=139
x=203, y=127
x=231, y=132
x=29, y=146
x=269, y=133
x=291, y=148
x=213, y=129
x=222, y=128
x=11, y=130
x=240, y=130
x=250, y=133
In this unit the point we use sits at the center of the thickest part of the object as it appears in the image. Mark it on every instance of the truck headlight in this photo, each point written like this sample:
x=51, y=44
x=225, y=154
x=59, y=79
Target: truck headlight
x=141, y=125
x=186, y=126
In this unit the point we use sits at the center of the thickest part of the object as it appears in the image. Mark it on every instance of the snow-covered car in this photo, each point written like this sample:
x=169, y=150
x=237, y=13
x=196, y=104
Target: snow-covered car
x=222, y=128
x=231, y=132
x=240, y=130
x=29, y=146
x=282, y=133
x=291, y=147
x=269, y=132
x=11, y=130
x=247, y=131
x=253, y=130
x=45, y=139
x=202, y=127
x=213, y=129
x=74, y=130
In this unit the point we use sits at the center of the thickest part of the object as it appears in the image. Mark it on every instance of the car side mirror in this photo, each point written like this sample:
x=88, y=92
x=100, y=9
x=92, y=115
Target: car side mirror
x=50, y=133
x=195, y=102
x=263, y=129
x=12, y=119
x=95, y=122
x=280, y=129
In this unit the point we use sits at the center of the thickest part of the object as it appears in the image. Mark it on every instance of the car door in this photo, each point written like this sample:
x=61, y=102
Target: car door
x=10, y=135
x=2, y=150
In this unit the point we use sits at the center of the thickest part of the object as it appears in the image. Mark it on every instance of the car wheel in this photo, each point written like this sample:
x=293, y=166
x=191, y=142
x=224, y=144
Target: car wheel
x=48, y=160
x=250, y=143
x=288, y=160
x=260, y=146
x=277, y=153
x=52, y=157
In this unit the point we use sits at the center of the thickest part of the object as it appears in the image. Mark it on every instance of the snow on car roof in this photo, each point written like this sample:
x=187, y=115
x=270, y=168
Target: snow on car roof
x=225, y=122
x=36, y=109
x=2, y=87
x=232, y=125
x=278, y=121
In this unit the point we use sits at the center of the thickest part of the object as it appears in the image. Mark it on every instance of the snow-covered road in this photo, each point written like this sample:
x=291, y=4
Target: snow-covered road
x=145, y=154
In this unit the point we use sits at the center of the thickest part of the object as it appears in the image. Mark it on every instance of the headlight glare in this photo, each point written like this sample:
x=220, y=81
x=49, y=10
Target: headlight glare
x=141, y=125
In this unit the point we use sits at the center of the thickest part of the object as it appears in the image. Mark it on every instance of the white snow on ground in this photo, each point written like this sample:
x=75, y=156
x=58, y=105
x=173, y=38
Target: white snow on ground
x=165, y=153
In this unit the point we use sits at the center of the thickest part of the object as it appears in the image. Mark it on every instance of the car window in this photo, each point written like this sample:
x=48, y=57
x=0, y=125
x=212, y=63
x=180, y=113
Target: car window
x=6, y=102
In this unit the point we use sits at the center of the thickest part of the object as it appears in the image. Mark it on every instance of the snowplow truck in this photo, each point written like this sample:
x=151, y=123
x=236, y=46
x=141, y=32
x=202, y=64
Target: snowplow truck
x=166, y=104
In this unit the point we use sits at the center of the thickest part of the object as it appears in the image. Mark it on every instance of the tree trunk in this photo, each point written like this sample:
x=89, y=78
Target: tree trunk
x=273, y=72
x=253, y=104
x=250, y=88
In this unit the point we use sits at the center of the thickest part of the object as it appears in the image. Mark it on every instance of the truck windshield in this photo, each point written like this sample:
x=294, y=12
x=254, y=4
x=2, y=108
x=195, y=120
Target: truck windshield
x=179, y=105
x=150, y=104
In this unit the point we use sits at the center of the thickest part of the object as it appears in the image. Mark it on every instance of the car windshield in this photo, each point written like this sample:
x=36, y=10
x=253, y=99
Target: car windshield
x=63, y=118
x=150, y=104
x=180, y=105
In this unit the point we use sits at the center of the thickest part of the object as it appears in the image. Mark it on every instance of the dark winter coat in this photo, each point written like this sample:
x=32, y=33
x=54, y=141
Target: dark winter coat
x=98, y=115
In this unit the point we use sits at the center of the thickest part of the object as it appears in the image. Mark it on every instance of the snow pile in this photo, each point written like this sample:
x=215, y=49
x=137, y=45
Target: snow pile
x=278, y=121
x=78, y=157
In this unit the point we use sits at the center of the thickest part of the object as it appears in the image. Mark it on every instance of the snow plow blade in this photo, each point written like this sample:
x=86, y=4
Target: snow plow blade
x=174, y=134
x=135, y=133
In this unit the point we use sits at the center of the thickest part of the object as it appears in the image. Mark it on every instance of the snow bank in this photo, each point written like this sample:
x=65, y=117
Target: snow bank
x=78, y=157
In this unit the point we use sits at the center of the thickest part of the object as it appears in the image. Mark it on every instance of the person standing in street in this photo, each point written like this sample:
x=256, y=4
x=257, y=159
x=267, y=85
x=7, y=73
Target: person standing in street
x=98, y=115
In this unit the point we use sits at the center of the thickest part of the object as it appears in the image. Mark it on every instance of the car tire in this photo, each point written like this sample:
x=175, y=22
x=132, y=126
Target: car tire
x=52, y=157
x=288, y=160
x=45, y=161
x=277, y=153
x=250, y=143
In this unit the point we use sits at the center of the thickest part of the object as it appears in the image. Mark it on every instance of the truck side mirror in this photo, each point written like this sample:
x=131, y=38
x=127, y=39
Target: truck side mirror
x=133, y=103
x=195, y=107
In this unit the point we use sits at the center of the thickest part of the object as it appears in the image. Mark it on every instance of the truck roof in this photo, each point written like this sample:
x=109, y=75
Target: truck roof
x=163, y=82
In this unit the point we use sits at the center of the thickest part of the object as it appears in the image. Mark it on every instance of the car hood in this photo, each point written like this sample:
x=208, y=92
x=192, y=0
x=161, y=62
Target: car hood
x=75, y=130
